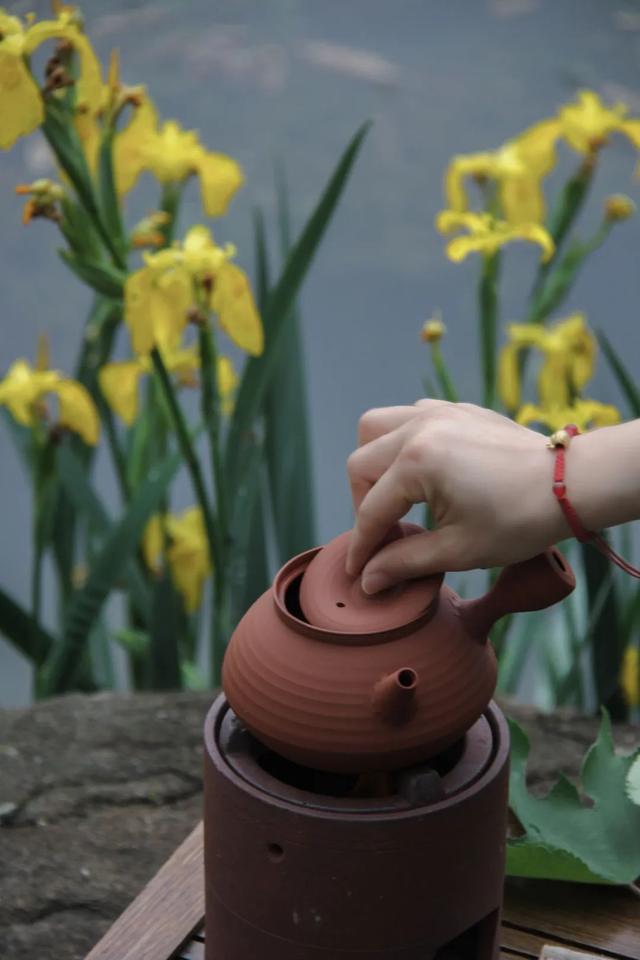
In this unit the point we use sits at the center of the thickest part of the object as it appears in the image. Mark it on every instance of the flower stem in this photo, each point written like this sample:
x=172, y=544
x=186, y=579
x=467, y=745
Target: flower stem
x=562, y=218
x=488, y=300
x=170, y=204
x=186, y=447
x=443, y=376
x=211, y=414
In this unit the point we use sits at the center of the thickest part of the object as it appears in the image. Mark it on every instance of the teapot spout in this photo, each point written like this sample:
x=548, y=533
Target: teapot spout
x=530, y=585
x=394, y=696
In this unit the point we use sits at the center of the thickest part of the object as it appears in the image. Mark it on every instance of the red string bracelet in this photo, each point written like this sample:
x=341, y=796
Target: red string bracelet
x=559, y=442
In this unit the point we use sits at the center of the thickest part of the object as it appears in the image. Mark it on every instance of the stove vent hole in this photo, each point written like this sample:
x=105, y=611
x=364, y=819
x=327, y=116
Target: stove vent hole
x=275, y=852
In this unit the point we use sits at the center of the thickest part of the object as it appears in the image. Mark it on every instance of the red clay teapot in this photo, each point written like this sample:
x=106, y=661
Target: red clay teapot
x=344, y=682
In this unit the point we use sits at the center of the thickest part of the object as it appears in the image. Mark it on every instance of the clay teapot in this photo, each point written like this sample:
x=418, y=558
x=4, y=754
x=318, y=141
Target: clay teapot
x=348, y=683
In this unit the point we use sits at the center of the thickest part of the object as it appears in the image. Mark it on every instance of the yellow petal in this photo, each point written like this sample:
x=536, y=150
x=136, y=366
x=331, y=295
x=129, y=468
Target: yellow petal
x=531, y=413
x=220, y=178
x=184, y=364
x=188, y=555
x=171, y=297
x=77, y=411
x=461, y=247
x=449, y=220
x=197, y=239
x=137, y=309
x=153, y=543
x=175, y=153
x=553, y=387
x=133, y=145
x=509, y=376
x=522, y=200
x=536, y=147
x=592, y=413
x=587, y=123
x=22, y=386
x=461, y=166
x=202, y=255
x=528, y=335
x=156, y=305
x=22, y=109
x=534, y=233
x=227, y=383
x=631, y=129
x=119, y=384
x=89, y=83
x=630, y=676
x=233, y=302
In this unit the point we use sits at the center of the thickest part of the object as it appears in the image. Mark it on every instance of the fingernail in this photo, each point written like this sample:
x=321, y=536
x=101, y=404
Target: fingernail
x=375, y=582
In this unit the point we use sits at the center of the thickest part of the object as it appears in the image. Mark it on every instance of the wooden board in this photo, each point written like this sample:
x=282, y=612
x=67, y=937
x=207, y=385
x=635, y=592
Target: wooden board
x=165, y=914
x=160, y=923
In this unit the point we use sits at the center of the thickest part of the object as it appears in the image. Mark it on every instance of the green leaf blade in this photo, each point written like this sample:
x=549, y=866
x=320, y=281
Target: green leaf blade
x=277, y=315
x=118, y=548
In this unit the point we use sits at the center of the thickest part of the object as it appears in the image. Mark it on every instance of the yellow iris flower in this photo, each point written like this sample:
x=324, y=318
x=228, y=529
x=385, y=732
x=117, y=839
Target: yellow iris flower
x=587, y=124
x=158, y=297
x=22, y=103
x=518, y=167
x=24, y=388
x=187, y=552
x=569, y=350
x=630, y=676
x=173, y=155
x=120, y=381
x=487, y=235
x=584, y=413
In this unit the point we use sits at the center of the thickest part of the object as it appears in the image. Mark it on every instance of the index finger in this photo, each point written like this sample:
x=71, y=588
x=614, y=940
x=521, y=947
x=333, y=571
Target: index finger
x=387, y=501
x=380, y=420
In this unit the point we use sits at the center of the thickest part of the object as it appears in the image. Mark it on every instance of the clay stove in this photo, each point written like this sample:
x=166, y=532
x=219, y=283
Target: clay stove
x=356, y=769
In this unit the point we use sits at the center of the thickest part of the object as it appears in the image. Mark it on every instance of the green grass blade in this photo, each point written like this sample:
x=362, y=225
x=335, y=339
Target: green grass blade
x=488, y=311
x=116, y=552
x=85, y=500
x=166, y=627
x=104, y=280
x=625, y=381
x=101, y=657
x=257, y=575
x=21, y=437
x=277, y=315
x=287, y=447
x=107, y=193
x=17, y=626
x=261, y=258
x=607, y=642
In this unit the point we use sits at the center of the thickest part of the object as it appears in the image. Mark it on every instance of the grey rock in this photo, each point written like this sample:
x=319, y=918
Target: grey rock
x=97, y=791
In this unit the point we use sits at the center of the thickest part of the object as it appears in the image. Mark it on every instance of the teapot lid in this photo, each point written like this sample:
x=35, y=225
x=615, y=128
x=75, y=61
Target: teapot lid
x=333, y=600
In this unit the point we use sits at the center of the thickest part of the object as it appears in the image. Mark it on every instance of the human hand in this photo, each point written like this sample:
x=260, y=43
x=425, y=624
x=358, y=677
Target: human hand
x=486, y=479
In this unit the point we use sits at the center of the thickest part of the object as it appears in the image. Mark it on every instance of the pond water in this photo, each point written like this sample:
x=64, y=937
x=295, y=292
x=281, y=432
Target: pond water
x=290, y=81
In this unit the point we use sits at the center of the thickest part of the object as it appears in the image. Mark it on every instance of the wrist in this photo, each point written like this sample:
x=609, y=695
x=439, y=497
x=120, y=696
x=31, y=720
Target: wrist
x=601, y=479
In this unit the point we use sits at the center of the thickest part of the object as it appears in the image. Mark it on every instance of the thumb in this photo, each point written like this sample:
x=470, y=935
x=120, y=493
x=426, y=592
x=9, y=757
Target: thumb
x=417, y=555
